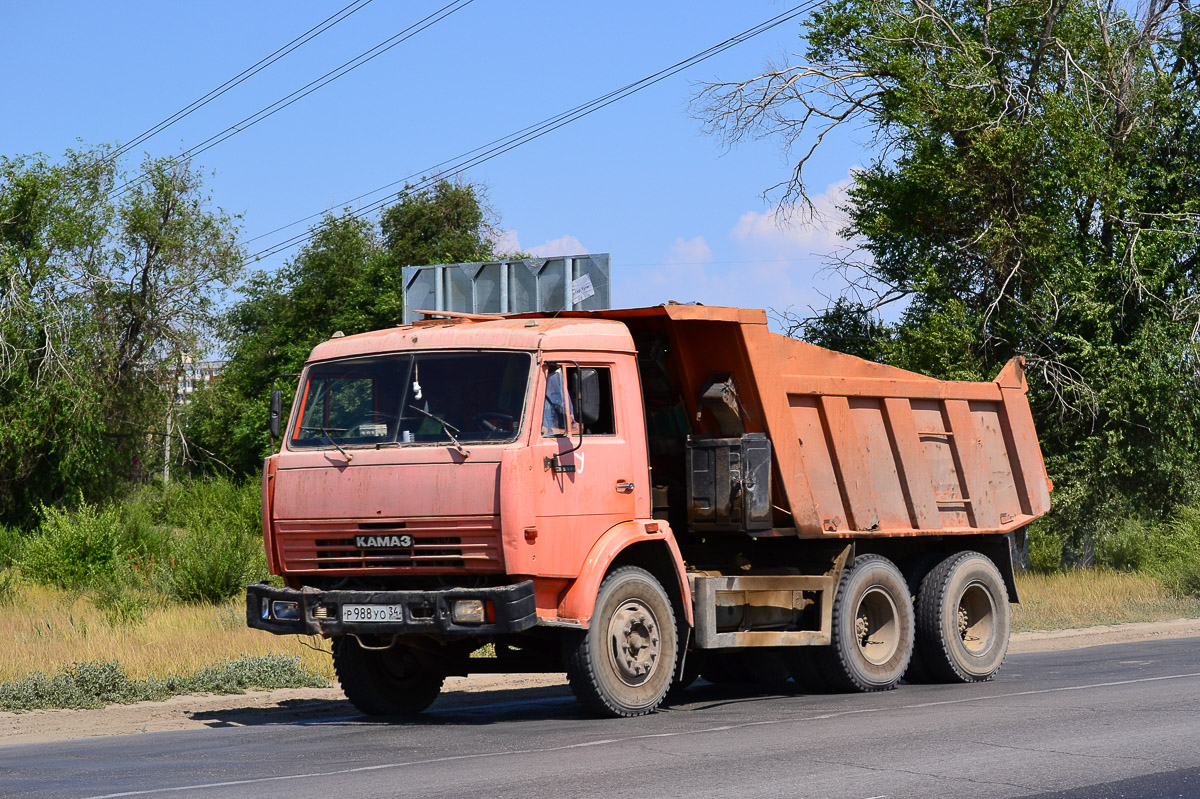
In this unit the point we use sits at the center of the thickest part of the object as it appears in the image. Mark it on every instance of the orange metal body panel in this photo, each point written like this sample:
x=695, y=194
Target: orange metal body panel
x=268, y=513
x=580, y=598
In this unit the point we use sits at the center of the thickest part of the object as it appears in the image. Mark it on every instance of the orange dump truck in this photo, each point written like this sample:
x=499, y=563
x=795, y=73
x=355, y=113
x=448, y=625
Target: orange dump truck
x=636, y=497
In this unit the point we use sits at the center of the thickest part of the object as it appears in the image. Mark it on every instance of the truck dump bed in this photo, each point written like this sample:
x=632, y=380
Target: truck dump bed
x=860, y=449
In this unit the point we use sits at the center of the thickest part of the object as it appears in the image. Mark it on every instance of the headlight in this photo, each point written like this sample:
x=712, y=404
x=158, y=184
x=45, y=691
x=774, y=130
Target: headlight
x=469, y=611
x=284, y=610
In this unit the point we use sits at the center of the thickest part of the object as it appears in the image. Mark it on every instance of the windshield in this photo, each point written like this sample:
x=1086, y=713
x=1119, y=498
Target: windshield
x=420, y=398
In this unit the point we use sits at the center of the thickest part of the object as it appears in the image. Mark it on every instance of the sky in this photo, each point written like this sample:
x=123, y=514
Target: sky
x=682, y=217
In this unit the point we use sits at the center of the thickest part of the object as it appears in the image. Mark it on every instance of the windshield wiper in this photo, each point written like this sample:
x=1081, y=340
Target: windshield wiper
x=449, y=428
x=345, y=454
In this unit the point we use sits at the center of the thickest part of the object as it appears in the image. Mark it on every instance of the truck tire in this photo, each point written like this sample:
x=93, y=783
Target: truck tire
x=963, y=619
x=872, y=628
x=914, y=570
x=388, y=682
x=624, y=663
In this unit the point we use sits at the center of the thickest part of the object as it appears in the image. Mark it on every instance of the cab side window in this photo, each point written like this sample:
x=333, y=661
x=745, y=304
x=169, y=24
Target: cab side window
x=605, y=424
x=554, y=408
x=562, y=387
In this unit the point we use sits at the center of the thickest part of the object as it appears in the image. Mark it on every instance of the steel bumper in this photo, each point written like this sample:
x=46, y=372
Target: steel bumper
x=423, y=612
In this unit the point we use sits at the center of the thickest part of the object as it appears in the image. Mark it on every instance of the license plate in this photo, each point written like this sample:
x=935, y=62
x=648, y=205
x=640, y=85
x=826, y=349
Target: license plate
x=372, y=613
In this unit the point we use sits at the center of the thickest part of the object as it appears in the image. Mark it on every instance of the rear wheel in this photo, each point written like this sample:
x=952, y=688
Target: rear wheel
x=624, y=663
x=399, y=681
x=872, y=637
x=963, y=619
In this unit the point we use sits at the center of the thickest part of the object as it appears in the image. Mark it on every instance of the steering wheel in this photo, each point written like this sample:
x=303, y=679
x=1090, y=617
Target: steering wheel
x=494, y=421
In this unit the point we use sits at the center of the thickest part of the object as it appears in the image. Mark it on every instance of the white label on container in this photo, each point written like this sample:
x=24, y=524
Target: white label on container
x=581, y=289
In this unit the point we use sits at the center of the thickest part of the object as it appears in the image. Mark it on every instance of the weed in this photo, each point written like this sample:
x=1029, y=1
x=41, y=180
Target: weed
x=98, y=683
x=1045, y=549
x=121, y=605
x=71, y=550
x=218, y=549
x=8, y=587
x=11, y=543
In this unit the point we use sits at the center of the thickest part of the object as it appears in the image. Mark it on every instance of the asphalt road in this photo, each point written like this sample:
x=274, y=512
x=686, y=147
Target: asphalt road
x=1112, y=721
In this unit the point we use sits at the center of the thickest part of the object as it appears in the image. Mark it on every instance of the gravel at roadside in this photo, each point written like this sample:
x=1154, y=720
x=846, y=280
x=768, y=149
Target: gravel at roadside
x=292, y=705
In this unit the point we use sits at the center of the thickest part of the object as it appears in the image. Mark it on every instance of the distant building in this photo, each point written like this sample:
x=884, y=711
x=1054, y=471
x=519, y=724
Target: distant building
x=190, y=376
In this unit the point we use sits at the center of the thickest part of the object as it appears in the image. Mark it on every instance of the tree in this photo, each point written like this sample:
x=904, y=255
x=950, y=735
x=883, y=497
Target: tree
x=1035, y=194
x=106, y=281
x=347, y=278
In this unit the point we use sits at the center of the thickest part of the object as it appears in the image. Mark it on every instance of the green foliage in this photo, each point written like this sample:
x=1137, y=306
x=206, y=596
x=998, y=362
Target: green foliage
x=123, y=604
x=1037, y=195
x=97, y=684
x=103, y=292
x=1045, y=549
x=217, y=549
x=80, y=548
x=11, y=543
x=348, y=278
x=1178, y=551
x=8, y=587
x=198, y=541
x=1126, y=545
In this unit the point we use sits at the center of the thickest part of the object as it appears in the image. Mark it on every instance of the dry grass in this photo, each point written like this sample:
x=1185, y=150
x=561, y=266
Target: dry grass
x=44, y=629
x=1088, y=598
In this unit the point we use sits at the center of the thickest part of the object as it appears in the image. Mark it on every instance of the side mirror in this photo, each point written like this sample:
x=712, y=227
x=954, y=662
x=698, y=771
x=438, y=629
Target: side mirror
x=276, y=412
x=585, y=395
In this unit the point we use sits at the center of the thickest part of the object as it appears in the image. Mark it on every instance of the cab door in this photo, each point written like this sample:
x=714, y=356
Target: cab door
x=590, y=474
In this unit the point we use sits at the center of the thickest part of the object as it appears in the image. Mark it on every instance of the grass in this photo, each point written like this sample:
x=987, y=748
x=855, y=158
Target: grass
x=44, y=629
x=1087, y=598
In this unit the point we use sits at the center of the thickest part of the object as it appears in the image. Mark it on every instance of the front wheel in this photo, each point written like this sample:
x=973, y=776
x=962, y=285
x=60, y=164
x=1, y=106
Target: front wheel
x=872, y=637
x=399, y=681
x=963, y=619
x=624, y=663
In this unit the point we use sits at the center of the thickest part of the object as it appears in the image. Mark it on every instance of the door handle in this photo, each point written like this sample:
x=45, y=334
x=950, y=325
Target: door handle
x=626, y=486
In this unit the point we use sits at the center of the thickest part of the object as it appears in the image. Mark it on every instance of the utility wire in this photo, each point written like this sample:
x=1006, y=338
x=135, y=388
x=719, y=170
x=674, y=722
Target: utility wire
x=329, y=77
x=497, y=147
x=242, y=76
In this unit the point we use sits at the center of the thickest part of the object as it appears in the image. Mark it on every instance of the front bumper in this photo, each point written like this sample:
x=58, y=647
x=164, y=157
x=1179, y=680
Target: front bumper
x=423, y=612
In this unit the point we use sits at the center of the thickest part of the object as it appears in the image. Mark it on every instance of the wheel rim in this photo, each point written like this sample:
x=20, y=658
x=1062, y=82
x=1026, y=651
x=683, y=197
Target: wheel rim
x=400, y=665
x=877, y=626
x=635, y=642
x=976, y=619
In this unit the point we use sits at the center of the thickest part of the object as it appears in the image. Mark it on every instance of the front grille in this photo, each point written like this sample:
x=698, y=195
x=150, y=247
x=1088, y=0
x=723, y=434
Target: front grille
x=464, y=544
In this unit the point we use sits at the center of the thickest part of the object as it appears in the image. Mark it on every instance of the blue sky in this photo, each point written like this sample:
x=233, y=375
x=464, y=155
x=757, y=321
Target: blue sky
x=682, y=217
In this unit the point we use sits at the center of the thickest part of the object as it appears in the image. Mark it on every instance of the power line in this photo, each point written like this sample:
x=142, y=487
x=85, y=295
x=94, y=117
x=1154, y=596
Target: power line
x=503, y=144
x=329, y=77
x=242, y=76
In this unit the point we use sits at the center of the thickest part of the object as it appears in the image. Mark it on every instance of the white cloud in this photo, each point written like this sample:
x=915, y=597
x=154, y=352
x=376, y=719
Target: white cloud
x=691, y=251
x=778, y=233
x=564, y=245
x=767, y=261
x=508, y=241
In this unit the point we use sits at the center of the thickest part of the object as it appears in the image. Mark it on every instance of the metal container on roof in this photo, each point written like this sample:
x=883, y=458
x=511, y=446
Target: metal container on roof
x=564, y=283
